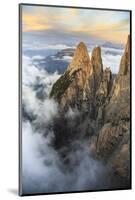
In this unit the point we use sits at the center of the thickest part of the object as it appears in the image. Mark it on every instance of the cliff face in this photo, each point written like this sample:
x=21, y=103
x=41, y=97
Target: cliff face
x=104, y=105
x=113, y=141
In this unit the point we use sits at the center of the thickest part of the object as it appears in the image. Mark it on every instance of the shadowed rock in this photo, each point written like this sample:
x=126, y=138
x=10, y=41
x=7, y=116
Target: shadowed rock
x=114, y=137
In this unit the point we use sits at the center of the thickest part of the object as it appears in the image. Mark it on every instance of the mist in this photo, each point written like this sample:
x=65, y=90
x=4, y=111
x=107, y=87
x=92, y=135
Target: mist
x=45, y=168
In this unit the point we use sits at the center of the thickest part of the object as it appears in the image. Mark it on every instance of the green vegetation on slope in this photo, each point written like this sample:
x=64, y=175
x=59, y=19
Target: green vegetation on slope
x=62, y=84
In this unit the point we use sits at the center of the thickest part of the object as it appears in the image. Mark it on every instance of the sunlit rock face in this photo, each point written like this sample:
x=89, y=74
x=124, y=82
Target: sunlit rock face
x=81, y=58
x=96, y=62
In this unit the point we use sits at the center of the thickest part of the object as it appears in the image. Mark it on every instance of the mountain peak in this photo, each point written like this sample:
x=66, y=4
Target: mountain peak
x=81, y=45
x=125, y=60
x=81, y=57
x=96, y=55
x=127, y=49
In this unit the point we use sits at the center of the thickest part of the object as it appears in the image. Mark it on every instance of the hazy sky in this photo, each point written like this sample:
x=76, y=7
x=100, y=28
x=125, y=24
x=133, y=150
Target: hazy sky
x=107, y=25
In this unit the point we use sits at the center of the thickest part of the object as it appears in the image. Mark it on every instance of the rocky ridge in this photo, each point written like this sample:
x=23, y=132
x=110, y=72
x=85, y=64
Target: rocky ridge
x=103, y=105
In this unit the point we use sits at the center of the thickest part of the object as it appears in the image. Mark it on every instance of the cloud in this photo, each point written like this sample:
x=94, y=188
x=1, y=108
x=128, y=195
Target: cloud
x=109, y=25
x=31, y=73
x=111, y=58
x=45, y=46
x=34, y=22
x=68, y=58
x=72, y=113
x=37, y=84
x=43, y=169
x=38, y=57
x=115, y=31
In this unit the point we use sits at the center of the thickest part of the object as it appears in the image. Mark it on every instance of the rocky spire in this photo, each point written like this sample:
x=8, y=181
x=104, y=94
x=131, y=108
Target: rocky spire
x=96, y=62
x=81, y=58
x=125, y=60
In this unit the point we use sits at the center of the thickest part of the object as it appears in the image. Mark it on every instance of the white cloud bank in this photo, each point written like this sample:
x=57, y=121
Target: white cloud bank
x=43, y=170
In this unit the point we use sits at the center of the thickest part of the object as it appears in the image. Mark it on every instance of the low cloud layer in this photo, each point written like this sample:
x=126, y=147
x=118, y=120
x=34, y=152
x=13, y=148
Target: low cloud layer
x=111, y=54
x=44, y=170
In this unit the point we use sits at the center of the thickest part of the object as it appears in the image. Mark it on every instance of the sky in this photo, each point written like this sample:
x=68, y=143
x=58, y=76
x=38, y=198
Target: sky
x=111, y=26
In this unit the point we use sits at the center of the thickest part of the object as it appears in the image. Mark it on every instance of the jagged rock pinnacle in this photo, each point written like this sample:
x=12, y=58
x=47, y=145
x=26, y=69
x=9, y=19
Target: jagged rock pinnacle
x=125, y=60
x=81, y=57
x=96, y=62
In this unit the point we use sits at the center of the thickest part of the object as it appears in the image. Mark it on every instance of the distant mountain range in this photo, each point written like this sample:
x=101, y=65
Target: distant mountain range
x=111, y=45
x=58, y=62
